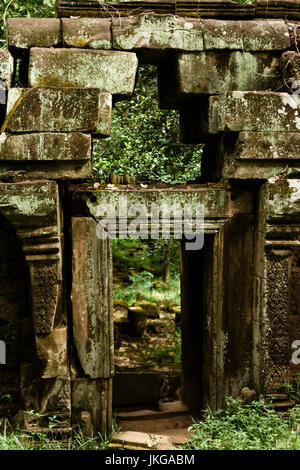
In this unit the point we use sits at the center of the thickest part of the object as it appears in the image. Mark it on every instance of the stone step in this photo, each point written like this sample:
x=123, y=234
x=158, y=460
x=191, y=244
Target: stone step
x=277, y=396
x=283, y=405
x=143, y=440
x=166, y=410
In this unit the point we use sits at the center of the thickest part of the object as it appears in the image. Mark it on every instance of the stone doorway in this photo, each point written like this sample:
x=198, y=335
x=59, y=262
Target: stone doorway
x=208, y=318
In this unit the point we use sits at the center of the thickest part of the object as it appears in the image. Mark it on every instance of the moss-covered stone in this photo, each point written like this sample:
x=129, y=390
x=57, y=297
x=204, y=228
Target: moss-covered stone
x=58, y=110
x=111, y=71
x=265, y=35
x=54, y=155
x=89, y=33
x=23, y=33
x=150, y=31
x=6, y=69
x=257, y=111
x=268, y=146
x=219, y=34
x=218, y=72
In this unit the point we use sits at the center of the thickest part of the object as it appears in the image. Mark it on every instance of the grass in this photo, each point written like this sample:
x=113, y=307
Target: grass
x=170, y=351
x=133, y=292
x=17, y=439
x=246, y=427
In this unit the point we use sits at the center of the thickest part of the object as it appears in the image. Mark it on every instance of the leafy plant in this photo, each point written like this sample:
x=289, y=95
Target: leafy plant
x=144, y=140
x=171, y=351
x=256, y=426
x=293, y=388
x=24, y=9
x=143, y=279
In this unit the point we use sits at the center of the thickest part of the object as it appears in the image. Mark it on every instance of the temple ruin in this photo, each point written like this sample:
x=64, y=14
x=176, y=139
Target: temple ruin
x=233, y=72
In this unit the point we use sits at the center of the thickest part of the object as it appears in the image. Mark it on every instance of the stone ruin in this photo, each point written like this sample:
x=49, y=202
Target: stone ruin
x=233, y=73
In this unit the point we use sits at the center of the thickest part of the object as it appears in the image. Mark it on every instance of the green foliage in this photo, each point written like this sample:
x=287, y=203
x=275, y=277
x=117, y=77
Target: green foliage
x=40, y=440
x=293, y=388
x=168, y=293
x=144, y=141
x=137, y=255
x=170, y=351
x=142, y=280
x=246, y=427
x=23, y=8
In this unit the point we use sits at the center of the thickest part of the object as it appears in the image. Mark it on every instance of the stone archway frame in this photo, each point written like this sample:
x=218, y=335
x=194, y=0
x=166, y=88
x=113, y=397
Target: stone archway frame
x=219, y=207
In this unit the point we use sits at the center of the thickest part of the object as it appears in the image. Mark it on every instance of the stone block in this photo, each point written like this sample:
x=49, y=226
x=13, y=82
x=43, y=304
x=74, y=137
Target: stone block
x=57, y=155
x=268, y=146
x=254, y=111
x=265, y=35
x=92, y=397
x=151, y=31
x=111, y=71
x=259, y=155
x=218, y=72
x=52, y=352
x=90, y=33
x=32, y=203
x=134, y=388
x=283, y=200
x=220, y=34
x=142, y=440
x=23, y=33
x=6, y=71
x=58, y=110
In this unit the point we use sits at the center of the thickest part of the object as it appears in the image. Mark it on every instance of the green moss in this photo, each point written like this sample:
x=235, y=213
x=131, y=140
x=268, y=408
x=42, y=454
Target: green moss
x=280, y=188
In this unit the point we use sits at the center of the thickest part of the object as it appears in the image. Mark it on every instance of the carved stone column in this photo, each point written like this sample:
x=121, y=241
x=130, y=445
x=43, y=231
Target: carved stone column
x=33, y=209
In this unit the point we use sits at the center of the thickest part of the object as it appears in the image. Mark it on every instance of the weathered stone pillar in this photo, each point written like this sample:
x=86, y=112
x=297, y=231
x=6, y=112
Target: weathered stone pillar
x=93, y=339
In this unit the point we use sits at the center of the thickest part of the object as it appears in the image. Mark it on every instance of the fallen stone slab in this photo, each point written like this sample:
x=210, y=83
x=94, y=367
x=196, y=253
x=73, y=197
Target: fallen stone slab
x=111, y=71
x=258, y=35
x=254, y=111
x=6, y=70
x=58, y=110
x=57, y=155
x=23, y=33
x=218, y=72
x=151, y=31
x=90, y=33
x=143, y=440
